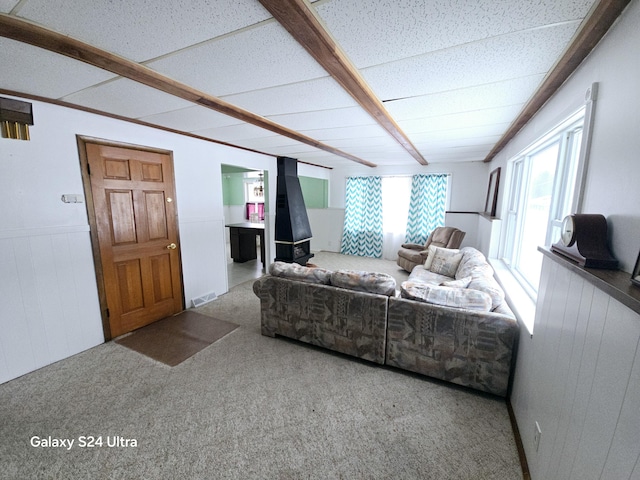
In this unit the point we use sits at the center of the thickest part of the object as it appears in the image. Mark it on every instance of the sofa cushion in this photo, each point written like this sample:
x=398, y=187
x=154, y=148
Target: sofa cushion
x=489, y=286
x=446, y=296
x=294, y=271
x=445, y=261
x=421, y=275
x=461, y=283
x=369, y=282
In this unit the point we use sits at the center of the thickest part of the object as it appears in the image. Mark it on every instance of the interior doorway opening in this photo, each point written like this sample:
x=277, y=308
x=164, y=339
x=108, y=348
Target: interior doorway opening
x=245, y=203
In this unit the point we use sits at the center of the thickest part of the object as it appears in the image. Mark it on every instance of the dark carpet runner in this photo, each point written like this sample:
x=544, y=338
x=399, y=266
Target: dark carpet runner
x=174, y=339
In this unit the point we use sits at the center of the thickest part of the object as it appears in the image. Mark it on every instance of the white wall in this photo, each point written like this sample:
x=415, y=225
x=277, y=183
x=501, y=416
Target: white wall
x=48, y=297
x=586, y=419
x=326, y=227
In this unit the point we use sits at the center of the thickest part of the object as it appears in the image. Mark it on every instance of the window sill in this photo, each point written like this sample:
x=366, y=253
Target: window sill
x=523, y=306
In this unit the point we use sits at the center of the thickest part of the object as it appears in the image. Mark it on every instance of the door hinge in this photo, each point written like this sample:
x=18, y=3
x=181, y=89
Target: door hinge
x=88, y=169
x=108, y=315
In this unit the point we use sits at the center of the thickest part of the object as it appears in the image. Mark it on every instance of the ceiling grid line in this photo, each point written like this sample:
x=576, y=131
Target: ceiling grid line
x=458, y=79
x=300, y=21
x=27, y=32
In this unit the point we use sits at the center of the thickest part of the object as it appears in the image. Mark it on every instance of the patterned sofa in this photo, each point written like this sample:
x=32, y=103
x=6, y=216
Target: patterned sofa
x=448, y=324
x=328, y=309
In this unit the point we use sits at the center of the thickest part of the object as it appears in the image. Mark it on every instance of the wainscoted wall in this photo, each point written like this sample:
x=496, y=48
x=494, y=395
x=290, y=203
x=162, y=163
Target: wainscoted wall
x=488, y=236
x=326, y=227
x=203, y=239
x=49, y=307
x=578, y=376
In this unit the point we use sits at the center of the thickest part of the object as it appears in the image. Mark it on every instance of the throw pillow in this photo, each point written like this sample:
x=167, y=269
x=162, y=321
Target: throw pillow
x=445, y=261
x=430, y=251
x=294, y=271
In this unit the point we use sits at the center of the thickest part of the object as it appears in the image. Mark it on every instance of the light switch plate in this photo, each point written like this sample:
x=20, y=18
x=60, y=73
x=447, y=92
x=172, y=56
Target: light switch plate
x=72, y=198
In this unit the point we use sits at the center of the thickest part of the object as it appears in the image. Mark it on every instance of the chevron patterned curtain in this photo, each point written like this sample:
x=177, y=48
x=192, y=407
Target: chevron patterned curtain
x=426, y=207
x=362, y=233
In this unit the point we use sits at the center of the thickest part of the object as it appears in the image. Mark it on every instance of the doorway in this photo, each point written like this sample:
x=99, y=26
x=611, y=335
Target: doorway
x=131, y=204
x=245, y=201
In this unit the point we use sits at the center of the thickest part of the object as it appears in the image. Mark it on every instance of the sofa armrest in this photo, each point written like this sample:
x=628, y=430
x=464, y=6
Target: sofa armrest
x=412, y=246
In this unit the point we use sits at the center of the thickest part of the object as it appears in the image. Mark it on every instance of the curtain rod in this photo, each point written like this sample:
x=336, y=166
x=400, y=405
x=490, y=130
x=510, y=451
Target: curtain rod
x=399, y=176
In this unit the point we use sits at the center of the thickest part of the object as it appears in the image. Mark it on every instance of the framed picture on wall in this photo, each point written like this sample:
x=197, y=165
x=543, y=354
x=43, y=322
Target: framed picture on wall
x=492, y=193
x=635, y=276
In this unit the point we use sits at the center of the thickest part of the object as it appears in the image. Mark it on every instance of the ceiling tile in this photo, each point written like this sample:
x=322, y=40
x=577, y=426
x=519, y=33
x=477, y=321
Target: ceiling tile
x=326, y=159
x=444, y=144
x=336, y=118
x=232, y=133
x=382, y=140
x=489, y=116
x=458, y=156
x=144, y=29
x=509, y=92
x=377, y=32
x=7, y=5
x=423, y=140
x=191, y=118
x=294, y=150
x=260, y=57
x=56, y=75
x=276, y=142
x=493, y=60
x=320, y=94
x=328, y=134
x=399, y=157
x=128, y=98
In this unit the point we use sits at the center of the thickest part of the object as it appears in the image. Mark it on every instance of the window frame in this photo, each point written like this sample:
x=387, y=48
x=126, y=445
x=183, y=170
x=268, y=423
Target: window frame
x=570, y=134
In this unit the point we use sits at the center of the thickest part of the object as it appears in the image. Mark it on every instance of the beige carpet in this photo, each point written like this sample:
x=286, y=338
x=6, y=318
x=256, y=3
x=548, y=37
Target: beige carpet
x=250, y=407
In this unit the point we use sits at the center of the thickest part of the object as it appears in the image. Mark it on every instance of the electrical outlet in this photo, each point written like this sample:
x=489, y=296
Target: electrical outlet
x=536, y=437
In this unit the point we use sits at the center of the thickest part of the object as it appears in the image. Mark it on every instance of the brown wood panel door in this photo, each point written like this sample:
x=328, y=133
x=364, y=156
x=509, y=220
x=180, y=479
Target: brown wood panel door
x=133, y=197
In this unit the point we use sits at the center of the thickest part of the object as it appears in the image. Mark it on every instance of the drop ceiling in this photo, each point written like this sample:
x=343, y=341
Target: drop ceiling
x=452, y=74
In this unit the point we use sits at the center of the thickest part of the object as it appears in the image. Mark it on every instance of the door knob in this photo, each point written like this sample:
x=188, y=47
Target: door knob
x=171, y=246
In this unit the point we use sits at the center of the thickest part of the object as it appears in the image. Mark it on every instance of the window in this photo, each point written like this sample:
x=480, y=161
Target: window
x=396, y=194
x=381, y=213
x=542, y=192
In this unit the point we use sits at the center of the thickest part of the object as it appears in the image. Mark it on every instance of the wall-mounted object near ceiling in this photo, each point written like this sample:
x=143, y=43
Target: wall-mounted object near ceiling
x=15, y=118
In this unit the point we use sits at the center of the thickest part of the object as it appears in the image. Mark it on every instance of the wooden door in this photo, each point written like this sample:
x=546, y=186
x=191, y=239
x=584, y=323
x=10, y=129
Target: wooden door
x=133, y=197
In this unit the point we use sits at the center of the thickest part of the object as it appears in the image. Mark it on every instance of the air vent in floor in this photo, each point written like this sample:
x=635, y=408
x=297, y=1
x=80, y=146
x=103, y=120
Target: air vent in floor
x=199, y=301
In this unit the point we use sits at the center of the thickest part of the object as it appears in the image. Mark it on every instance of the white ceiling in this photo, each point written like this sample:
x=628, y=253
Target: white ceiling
x=453, y=74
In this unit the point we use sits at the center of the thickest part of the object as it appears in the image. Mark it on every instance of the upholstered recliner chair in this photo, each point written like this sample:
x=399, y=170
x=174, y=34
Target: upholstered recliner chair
x=412, y=254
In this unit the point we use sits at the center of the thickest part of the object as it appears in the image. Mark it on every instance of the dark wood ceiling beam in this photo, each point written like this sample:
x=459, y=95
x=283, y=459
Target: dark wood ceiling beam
x=27, y=32
x=591, y=32
x=298, y=18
